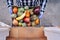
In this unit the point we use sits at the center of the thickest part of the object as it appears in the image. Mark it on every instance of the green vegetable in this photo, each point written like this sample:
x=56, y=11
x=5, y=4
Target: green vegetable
x=19, y=13
x=21, y=9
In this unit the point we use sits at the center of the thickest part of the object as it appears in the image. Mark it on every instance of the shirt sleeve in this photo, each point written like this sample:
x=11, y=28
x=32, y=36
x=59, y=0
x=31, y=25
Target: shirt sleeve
x=43, y=5
x=9, y=3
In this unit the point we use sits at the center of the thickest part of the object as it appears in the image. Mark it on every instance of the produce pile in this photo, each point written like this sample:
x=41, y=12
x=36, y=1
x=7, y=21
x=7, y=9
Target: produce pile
x=25, y=16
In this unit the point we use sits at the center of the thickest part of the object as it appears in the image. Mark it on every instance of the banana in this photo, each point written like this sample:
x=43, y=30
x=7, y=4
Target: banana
x=21, y=17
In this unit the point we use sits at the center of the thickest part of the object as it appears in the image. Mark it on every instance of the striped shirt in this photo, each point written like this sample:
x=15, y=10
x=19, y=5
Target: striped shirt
x=28, y=2
x=22, y=3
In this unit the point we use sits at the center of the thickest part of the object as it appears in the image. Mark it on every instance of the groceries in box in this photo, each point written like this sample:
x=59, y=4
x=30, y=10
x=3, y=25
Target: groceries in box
x=25, y=16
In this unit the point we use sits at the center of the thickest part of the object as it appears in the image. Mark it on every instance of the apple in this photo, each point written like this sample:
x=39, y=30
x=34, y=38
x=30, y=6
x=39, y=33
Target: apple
x=26, y=19
x=21, y=9
x=19, y=13
x=36, y=10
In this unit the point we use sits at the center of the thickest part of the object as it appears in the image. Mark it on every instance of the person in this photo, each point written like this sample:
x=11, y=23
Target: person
x=22, y=3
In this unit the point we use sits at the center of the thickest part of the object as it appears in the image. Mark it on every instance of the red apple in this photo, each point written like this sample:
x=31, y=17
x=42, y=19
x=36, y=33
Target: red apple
x=26, y=19
x=36, y=10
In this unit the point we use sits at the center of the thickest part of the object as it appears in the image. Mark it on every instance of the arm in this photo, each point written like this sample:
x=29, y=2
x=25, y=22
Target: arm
x=43, y=5
x=10, y=4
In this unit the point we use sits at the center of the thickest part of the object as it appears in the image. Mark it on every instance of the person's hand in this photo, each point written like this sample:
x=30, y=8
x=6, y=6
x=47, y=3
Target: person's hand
x=41, y=14
x=10, y=10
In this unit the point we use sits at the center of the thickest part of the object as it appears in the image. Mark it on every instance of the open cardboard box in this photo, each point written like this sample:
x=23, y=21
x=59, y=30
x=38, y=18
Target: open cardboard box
x=25, y=29
x=26, y=33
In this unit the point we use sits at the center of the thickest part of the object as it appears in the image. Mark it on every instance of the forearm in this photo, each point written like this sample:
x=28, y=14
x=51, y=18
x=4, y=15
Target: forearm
x=9, y=3
x=43, y=5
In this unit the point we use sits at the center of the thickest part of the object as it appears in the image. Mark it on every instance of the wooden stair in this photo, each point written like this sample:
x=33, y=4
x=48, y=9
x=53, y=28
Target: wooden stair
x=26, y=33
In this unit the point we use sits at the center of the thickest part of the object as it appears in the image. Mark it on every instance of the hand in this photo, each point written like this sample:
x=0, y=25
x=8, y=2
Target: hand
x=41, y=14
x=10, y=10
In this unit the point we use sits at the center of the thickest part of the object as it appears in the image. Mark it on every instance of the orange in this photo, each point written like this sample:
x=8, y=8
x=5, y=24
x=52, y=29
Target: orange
x=27, y=13
x=15, y=10
x=37, y=21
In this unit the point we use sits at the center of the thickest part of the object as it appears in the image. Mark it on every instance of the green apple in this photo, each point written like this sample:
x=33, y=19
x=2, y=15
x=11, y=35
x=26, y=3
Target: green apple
x=19, y=13
x=21, y=9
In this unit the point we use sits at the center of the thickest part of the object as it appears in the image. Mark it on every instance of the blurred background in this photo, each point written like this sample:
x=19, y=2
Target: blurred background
x=51, y=15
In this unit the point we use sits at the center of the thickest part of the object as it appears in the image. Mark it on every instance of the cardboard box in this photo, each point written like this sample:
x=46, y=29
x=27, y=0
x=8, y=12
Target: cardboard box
x=31, y=32
x=42, y=38
x=27, y=33
x=11, y=38
x=13, y=32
